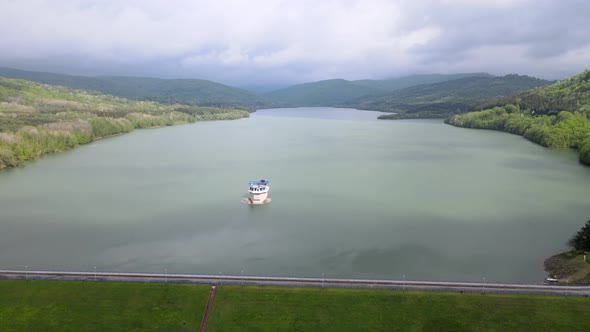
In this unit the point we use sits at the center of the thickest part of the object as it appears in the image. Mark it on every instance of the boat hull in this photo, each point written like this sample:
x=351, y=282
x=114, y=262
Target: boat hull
x=258, y=198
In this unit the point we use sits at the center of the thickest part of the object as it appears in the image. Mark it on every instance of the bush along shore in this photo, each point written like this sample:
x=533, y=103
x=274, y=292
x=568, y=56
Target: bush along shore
x=36, y=119
x=564, y=130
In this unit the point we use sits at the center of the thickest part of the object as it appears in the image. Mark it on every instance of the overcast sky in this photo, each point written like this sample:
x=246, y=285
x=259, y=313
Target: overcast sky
x=254, y=42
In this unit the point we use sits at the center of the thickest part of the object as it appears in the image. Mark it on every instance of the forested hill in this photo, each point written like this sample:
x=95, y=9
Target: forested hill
x=572, y=94
x=322, y=93
x=184, y=91
x=337, y=92
x=557, y=115
x=389, y=85
x=446, y=98
x=36, y=119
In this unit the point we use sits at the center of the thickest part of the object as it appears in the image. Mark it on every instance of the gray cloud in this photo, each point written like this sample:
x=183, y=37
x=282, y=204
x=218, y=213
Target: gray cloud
x=265, y=41
x=542, y=28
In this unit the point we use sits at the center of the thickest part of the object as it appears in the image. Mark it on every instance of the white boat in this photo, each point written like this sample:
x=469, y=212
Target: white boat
x=258, y=192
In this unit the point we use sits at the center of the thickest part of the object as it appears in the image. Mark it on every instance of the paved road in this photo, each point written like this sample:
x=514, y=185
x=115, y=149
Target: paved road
x=300, y=282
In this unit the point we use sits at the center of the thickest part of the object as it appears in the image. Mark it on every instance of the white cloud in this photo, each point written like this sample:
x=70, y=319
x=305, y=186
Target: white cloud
x=235, y=40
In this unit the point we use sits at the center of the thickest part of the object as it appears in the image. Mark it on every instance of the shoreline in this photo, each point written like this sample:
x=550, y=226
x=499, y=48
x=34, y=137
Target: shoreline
x=570, y=267
x=3, y=168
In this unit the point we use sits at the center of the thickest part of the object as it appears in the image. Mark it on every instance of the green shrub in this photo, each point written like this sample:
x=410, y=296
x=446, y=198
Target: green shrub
x=7, y=158
x=585, y=152
x=144, y=120
x=102, y=127
x=518, y=123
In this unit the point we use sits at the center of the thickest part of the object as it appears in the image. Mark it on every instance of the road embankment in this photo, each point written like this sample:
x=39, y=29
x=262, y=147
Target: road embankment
x=471, y=287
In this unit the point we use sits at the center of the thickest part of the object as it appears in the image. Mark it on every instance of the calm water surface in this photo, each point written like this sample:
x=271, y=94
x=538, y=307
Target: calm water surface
x=352, y=197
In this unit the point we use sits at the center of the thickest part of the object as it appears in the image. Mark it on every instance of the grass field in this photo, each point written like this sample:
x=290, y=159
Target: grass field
x=94, y=306
x=89, y=306
x=304, y=309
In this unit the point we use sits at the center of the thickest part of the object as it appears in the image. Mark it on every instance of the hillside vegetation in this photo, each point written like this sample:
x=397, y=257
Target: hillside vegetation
x=183, y=91
x=553, y=116
x=337, y=92
x=36, y=119
x=443, y=99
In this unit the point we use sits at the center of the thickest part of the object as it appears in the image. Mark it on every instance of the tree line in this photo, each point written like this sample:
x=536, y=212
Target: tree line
x=564, y=130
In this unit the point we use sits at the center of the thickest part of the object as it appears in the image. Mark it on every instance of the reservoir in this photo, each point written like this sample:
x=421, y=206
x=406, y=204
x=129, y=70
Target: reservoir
x=352, y=196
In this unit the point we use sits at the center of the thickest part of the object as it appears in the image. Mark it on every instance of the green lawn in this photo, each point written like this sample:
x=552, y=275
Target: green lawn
x=304, y=309
x=90, y=306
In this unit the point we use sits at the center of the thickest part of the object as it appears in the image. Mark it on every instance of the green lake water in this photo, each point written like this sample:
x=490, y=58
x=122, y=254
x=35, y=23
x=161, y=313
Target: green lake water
x=352, y=196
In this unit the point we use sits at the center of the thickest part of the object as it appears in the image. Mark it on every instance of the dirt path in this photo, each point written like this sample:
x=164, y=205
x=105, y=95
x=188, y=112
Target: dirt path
x=207, y=312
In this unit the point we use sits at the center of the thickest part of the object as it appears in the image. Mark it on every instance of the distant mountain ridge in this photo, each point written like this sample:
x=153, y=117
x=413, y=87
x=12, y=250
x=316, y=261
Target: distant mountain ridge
x=336, y=92
x=440, y=100
x=415, y=96
x=185, y=91
x=321, y=93
x=413, y=80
